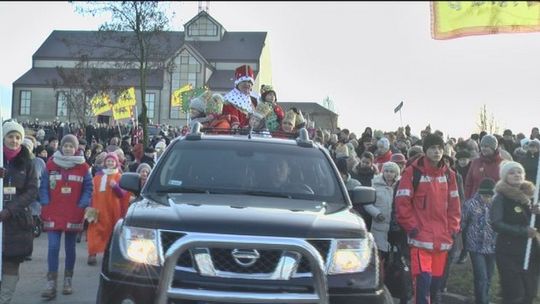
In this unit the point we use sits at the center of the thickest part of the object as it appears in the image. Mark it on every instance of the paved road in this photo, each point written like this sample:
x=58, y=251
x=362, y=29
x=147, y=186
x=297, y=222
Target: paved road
x=32, y=277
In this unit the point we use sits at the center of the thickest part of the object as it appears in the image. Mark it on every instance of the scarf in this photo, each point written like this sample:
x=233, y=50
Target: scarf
x=11, y=154
x=67, y=162
x=240, y=100
x=521, y=194
x=103, y=181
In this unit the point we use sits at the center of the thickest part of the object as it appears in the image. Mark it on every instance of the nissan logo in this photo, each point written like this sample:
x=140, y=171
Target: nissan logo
x=245, y=257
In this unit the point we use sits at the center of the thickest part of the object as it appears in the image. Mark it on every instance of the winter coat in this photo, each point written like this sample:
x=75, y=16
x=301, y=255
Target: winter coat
x=510, y=217
x=381, y=159
x=482, y=167
x=363, y=175
x=530, y=164
x=383, y=205
x=64, y=194
x=476, y=225
x=111, y=204
x=430, y=214
x=17, y=233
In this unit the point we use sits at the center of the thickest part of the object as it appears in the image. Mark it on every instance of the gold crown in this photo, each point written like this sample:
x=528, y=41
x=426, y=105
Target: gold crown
x=266, y=88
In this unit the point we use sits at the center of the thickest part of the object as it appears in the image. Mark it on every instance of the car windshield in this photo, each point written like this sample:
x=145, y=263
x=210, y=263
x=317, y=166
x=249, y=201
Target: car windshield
x=247, y=168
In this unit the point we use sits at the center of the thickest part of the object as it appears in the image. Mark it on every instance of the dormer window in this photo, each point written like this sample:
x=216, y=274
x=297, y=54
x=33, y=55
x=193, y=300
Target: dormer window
x=202, y=27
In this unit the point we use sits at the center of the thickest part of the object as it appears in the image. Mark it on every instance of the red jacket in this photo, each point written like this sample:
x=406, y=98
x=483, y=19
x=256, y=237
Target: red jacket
x=481, y=167
x=433, y=209
x=65, y=193
x=380, y=160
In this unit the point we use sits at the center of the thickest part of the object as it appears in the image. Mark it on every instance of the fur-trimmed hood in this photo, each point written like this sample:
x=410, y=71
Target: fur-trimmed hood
x=523, y=194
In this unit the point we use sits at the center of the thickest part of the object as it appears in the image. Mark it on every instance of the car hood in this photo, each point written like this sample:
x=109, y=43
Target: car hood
x=246, y=215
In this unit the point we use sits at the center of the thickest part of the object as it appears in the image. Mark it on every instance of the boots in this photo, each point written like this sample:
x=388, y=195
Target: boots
x=68, y=275
x=9, y=282
x=50, y=291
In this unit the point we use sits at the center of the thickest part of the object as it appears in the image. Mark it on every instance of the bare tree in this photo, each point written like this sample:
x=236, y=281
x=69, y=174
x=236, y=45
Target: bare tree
x=79, y=84
x=136, y=38
x=487, y=122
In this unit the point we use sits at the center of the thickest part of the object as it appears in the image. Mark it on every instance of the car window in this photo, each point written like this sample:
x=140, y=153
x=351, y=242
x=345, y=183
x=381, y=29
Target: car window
x=248, y=168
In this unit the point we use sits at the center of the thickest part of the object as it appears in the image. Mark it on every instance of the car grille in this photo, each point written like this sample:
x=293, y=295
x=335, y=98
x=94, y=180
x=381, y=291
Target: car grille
x=223, y=260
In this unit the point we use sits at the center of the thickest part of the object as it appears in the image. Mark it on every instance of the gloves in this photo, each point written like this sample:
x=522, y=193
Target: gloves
x=413, y=233
x=91, y=215
x=379, y=218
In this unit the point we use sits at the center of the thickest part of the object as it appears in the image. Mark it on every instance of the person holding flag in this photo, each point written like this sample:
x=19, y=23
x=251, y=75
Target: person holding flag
x=510, y=214
x=20, y=190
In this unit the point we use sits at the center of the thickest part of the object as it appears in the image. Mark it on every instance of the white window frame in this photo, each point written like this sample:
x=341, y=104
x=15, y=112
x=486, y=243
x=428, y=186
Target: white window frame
x=150, y=104
x=25, y=102
x=61, y=104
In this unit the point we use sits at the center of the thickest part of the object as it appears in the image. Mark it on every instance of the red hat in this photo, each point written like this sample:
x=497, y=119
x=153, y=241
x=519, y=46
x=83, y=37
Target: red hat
x=398, y=158
x=244, y=73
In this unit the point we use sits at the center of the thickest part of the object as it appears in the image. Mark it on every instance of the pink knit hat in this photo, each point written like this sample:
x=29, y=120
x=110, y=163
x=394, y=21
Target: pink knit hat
x=113, y=156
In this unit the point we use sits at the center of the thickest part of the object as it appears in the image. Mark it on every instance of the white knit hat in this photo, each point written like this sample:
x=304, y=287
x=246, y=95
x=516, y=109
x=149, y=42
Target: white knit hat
x=12, y=126
x=507, y=166
x=27, y=142
x=391, y=166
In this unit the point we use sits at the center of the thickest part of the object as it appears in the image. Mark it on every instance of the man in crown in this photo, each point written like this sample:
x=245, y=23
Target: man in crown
x=238, y=102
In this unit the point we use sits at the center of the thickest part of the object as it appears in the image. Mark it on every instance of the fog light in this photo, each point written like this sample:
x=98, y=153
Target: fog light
x=127, y=301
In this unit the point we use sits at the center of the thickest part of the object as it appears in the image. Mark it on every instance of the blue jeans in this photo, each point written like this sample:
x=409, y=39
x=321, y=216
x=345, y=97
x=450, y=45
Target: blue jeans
x=483, y=267
x=54, y=250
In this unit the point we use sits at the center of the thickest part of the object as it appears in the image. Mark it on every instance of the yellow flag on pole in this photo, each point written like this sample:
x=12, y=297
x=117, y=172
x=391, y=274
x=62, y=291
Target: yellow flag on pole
x=177, y=95
x=127, y=98
x=122, y=112
x=453, y=19
x=101, y=103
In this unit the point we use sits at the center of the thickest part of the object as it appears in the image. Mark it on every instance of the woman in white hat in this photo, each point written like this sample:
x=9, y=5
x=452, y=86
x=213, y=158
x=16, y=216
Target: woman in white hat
x=510, y=214
x=20, y=190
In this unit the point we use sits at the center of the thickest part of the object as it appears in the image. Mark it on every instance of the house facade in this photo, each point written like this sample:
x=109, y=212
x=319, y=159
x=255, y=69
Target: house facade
x=204, y=54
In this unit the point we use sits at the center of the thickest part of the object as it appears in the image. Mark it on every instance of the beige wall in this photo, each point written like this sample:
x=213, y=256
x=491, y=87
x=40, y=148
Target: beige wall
x=265, y=72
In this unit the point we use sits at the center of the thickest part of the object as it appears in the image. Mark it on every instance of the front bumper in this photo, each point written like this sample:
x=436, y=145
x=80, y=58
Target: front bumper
x=113, y=291
x=121, y=279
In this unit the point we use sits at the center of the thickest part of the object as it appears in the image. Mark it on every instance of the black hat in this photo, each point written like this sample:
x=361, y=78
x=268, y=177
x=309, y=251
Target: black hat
x=463, y=154
x=507, y=132
x=486, y=186
x=82, y=141
x=432, y=140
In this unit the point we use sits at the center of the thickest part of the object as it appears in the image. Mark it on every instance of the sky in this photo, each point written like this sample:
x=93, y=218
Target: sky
x=366, y=56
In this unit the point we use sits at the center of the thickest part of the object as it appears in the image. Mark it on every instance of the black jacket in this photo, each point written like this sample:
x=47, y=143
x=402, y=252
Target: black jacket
x=17, y=231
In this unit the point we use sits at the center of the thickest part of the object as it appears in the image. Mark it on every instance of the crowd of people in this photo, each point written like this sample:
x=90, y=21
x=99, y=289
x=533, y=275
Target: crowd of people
x=438, y=201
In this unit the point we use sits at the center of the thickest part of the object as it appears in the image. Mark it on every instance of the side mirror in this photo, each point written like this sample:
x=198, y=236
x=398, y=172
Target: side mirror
x=131, y=182
x=363, y=195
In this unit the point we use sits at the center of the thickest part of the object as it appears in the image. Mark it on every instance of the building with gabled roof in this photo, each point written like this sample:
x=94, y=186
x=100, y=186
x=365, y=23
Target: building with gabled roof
x=204, y=54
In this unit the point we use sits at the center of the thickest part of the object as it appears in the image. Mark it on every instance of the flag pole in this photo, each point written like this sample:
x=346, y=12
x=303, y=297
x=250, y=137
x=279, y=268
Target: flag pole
x=533, y=219
x=400, y=118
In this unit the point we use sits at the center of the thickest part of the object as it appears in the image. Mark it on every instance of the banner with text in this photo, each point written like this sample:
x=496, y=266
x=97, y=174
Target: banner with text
x=454, y=19
x=101, y=103
x=127, y=98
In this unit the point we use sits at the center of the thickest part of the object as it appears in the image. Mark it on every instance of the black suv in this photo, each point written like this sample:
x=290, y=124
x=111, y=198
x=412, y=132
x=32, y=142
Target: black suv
x=242, y=219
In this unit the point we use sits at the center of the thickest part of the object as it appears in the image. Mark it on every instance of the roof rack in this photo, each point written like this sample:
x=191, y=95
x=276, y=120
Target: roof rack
x=302, y=137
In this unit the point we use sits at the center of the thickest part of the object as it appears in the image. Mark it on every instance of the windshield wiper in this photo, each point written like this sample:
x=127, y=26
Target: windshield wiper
x=266, y=193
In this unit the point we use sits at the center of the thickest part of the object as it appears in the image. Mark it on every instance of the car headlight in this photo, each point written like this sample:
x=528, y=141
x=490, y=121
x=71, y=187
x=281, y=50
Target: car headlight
x=139, y=245
x=349, y=256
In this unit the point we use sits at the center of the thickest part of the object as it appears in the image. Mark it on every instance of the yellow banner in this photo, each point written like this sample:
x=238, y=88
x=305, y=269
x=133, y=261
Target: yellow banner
x=177, y=95
x=101, y=103
x=453, y=19
x=122, y=112
x=127, y=98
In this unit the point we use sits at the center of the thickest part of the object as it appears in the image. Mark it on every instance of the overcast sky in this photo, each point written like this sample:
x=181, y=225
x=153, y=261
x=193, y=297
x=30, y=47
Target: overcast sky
x=366, y=56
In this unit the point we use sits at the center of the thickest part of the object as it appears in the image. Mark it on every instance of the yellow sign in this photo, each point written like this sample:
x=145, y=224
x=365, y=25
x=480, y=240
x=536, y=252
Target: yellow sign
x=101, y=103
x=177, y=95
x=122, y=112
x=127, y=98
x=453, y=19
